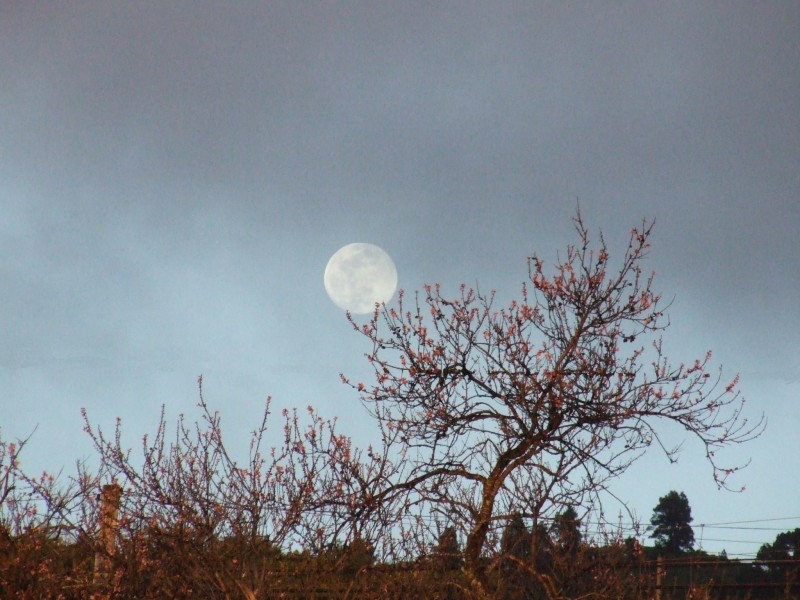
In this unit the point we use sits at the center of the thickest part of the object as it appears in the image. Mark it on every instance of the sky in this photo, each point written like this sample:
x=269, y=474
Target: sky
x=174, y=177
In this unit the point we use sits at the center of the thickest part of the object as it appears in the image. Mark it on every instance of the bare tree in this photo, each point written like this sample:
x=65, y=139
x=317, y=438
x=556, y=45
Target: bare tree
x=539, y=404
x=193, y=517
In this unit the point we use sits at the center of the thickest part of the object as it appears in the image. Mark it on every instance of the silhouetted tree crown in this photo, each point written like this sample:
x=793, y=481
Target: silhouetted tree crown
x=447, y=554
x=671, y=524
x=516, y=539
x=774, y=556
x=566, y=531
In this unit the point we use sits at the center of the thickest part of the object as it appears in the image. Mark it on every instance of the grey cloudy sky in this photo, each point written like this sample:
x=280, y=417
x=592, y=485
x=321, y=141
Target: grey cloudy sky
x=174, y=177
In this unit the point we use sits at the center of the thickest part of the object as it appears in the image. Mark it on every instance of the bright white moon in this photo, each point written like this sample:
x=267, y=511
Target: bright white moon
x=358, y=276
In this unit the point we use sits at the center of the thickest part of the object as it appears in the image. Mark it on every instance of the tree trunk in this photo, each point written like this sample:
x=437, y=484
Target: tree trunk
x=477, y=537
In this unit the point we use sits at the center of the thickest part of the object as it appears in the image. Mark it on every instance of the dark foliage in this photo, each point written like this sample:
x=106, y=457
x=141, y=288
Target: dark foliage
x=671, y=523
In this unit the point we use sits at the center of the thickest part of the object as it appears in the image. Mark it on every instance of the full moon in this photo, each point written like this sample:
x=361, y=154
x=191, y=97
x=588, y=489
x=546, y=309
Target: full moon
x=359, y=275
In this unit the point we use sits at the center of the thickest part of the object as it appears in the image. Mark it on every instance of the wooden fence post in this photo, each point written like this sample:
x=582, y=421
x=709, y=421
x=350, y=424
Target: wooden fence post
x=659, y=576
x=107, y=536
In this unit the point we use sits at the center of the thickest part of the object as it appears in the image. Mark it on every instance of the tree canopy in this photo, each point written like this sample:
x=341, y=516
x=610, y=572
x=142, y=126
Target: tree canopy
x=566, y=530
x=780, y=556
x=516, y=539
x=671, y=523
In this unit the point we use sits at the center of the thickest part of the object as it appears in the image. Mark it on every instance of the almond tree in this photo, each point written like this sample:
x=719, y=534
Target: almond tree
x=539, y=404
x=193, y=517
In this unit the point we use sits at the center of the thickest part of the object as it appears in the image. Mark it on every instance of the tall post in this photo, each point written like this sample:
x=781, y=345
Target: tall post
x=107, y=536
x=659, y=576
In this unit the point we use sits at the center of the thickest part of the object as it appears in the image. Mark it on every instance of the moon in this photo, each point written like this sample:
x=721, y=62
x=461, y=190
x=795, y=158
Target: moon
x=359, y=275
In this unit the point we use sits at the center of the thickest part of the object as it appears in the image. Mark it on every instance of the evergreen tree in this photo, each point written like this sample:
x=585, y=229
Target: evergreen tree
x=541, y=548
x=566, y=531
x=775, y=556
x=671, y=524
x=447, y=554
x=516, y=539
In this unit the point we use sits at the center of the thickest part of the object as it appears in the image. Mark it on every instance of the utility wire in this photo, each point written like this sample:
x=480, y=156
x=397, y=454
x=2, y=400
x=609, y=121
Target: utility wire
x=751, y=521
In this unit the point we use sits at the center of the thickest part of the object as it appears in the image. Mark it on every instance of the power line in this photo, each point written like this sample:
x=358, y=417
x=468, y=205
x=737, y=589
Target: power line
x=743, y=528
x=750, y=521
x=733, y=541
